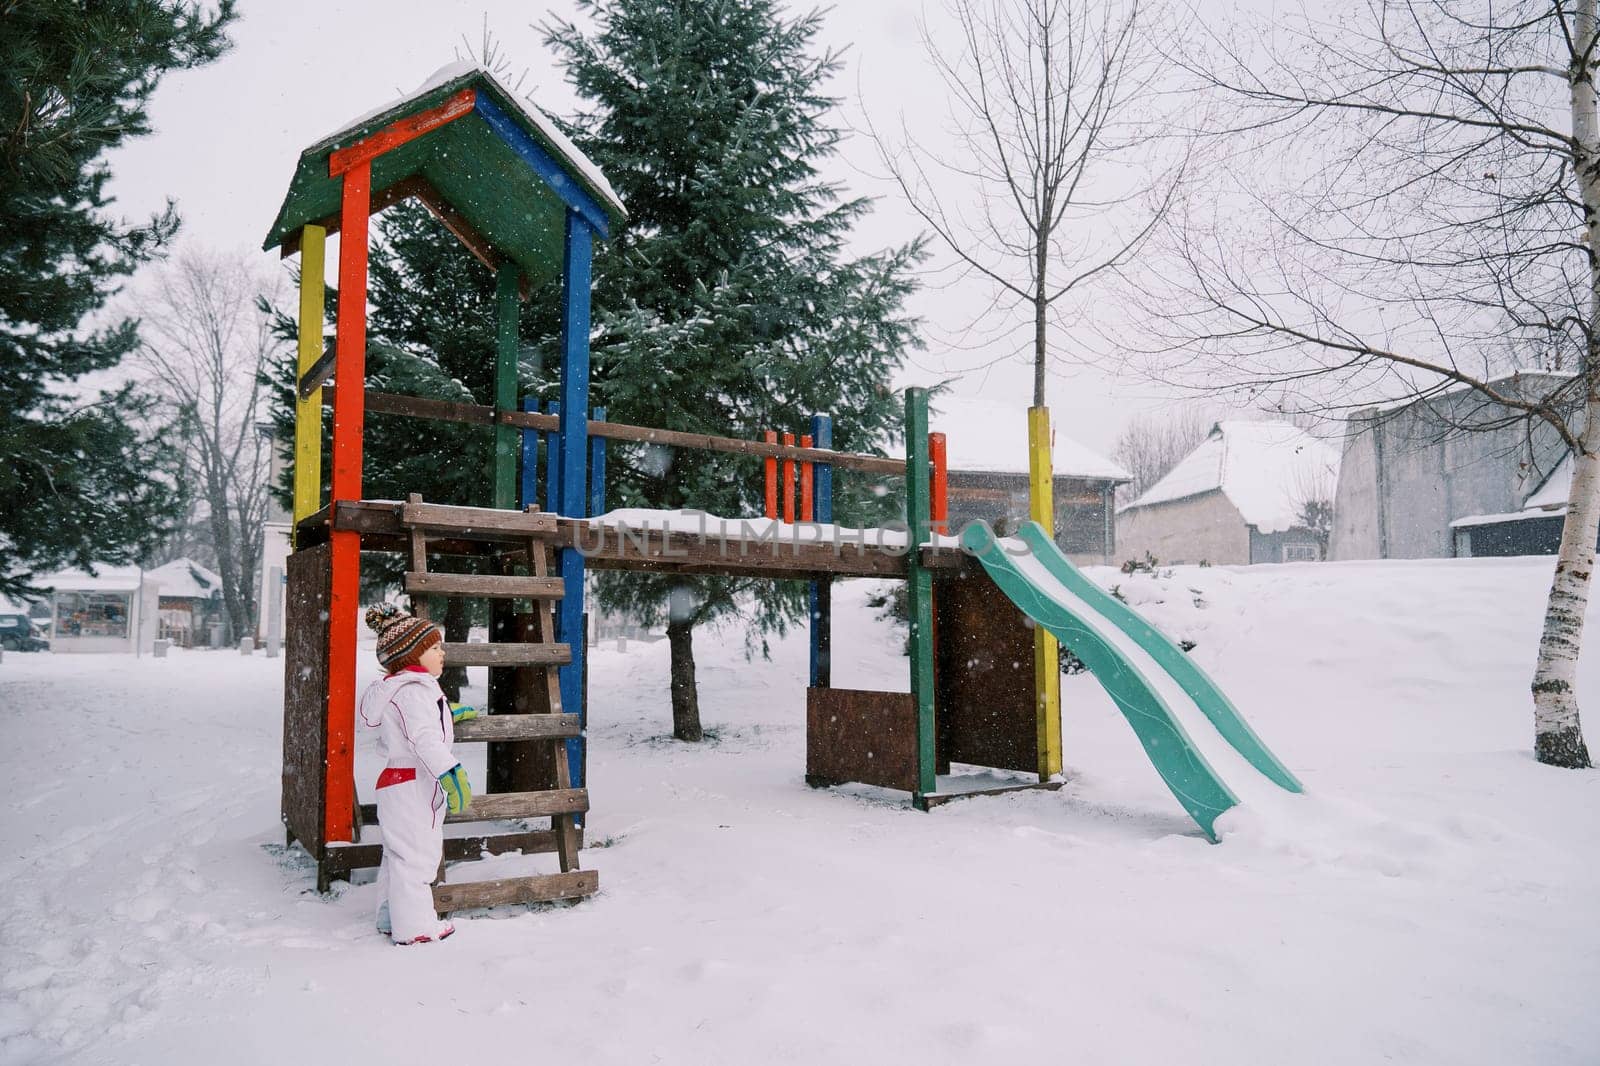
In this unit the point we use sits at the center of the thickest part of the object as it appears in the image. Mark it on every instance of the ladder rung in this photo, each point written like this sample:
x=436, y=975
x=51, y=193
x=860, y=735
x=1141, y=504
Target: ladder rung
x=519, y=727
x=498, y=805
x=493, y=586
x=507, y=654
x=479, y=522
x=508, y=890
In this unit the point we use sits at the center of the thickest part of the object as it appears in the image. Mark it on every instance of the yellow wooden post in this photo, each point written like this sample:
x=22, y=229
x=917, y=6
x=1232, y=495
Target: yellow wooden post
x=1046, y=665
x=308, y=409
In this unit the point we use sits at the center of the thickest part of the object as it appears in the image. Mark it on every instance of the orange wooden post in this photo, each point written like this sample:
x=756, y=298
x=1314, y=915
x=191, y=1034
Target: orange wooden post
x=349, y=416
x=788, y=481
x=771, y=437
x=805, y=482
x=402, y=132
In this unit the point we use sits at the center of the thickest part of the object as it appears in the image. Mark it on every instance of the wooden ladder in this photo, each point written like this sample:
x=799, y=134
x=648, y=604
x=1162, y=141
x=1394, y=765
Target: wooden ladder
x=562, y=803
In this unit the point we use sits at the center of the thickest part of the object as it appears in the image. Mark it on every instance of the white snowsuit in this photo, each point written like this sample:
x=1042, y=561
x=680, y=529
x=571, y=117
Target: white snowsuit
x=412, y=717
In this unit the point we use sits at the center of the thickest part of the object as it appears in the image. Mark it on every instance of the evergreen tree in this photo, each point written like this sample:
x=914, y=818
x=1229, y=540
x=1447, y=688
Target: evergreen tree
x=727, y=303
x=79, y=478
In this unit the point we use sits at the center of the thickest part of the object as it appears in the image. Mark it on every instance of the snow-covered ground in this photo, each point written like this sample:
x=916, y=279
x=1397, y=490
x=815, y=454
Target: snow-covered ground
x=1430, y=901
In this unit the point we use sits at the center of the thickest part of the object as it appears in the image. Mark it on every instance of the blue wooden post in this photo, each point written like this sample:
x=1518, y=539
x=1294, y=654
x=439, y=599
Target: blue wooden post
x=597, y=467
x=573, y=441
x=530, y=459
x=821, y=595
x=552, y=466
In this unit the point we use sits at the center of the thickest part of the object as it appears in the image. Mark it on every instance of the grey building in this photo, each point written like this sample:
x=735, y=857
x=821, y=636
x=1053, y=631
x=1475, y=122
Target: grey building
x=1414, y=475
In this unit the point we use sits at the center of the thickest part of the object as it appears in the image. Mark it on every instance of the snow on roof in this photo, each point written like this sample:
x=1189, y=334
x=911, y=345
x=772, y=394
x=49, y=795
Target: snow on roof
x=1515, y=516
x=1512, y=378
x=987, y=437
x=187, y=579
x=1555, y=489
x=105, y=579
x=467, y=67
x=1265, y=469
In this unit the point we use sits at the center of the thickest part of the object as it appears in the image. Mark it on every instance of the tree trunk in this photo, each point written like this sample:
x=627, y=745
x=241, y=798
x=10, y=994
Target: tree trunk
x=1041, y=312
x=1557, y=730
x=249, y=569
x=685, y=698
x=1557, y=733
x=227, y=561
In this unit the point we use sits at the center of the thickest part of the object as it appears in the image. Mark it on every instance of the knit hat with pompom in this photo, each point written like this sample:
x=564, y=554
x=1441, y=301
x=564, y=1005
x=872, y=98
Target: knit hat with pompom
x=402, y=637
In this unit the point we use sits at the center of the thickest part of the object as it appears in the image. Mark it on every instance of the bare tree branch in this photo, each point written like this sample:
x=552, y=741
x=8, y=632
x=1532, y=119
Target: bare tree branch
x=1064, y=184
x=1410, y=208
x=205, y=344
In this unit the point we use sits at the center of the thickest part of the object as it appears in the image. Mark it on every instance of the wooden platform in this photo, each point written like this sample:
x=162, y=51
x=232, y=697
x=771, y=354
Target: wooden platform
x=478, y=528
x=547, y=888
x=934, y=799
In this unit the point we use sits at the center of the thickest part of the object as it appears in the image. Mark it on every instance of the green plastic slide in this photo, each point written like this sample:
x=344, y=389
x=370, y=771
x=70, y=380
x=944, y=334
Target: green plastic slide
x=1171, y=658
x=1045, y=585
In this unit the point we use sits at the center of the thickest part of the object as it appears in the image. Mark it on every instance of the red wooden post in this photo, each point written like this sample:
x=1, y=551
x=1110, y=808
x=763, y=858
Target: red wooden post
x=805, y=483
x=939, y=485
x=349, y=416
x=771, y=437
x=938, y=522
x=788, y=481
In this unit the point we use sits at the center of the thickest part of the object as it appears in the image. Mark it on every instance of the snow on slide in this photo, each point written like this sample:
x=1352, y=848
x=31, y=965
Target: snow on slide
x=1208, y=758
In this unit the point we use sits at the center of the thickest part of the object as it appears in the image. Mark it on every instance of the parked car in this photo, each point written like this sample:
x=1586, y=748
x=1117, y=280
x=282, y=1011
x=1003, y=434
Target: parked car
x=18, y=633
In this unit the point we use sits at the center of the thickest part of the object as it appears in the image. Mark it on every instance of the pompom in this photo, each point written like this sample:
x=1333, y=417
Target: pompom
x=381, y=616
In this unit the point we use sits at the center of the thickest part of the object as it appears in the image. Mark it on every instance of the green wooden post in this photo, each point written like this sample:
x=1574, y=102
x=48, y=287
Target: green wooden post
x=507, y=441
x=920, y=589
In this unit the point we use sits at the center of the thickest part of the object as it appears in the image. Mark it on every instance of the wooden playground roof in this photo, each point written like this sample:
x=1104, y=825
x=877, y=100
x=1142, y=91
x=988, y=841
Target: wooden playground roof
x=495, y=170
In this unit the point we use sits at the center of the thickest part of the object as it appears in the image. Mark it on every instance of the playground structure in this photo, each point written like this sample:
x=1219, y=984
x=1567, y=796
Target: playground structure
x=528, y=205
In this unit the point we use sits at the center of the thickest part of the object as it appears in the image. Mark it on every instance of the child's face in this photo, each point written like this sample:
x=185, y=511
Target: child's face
x=432, y=660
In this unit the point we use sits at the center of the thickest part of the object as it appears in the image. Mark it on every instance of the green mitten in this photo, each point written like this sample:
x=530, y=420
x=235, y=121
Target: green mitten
x=461, y=712
x=457, y=790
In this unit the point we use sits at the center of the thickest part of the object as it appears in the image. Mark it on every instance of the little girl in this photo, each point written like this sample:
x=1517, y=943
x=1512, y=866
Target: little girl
x=420, y=777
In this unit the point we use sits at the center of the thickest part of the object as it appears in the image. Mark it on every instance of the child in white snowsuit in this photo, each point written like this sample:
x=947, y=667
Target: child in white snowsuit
x=421, y=779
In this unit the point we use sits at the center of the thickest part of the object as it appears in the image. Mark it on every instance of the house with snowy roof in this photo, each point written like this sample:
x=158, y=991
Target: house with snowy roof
x=1532, y=529
x=987, y=475
x=113, y=609
x=190, y=601
x=1453, y=474
x=1251, y=492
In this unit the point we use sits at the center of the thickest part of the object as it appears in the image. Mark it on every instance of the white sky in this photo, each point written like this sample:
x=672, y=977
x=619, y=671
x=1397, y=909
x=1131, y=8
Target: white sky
x=227, y=137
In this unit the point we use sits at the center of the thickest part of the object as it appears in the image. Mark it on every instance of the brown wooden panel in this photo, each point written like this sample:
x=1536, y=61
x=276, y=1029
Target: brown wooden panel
x=984, y=677
x=853, y=735
x=516, y=727
x=342, y=858
x=508, y=890
x=506, y=654
x=970, y=495
x=495, y=805
x=305, y=693
x=491, y=586
x=677, y=552
x=475, y=521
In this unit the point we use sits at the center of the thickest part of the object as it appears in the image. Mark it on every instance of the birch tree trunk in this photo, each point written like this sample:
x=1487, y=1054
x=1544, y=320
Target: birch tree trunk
x=1558, y=733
